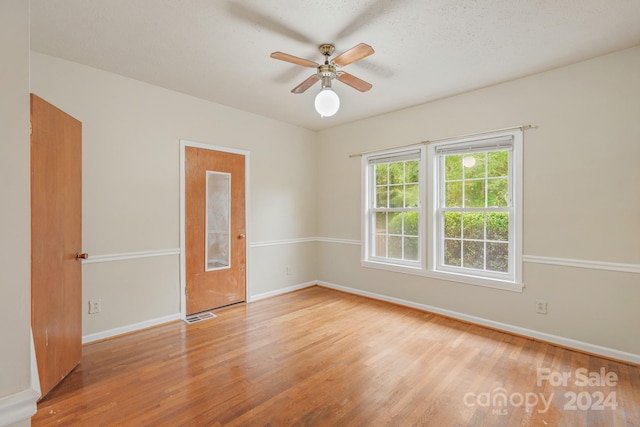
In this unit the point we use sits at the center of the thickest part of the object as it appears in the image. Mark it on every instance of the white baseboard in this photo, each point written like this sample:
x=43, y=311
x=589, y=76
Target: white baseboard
x=129, y=328
x=542, y=336
x=18, y=407
x=282, y=291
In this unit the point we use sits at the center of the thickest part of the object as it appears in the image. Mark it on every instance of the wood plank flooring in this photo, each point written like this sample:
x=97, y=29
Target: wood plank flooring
x=319, y=357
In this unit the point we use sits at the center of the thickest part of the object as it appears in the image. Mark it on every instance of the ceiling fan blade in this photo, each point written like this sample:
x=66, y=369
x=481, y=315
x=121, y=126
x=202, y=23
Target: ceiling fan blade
x=353, y=81
x=372, y=12
x=255, y=17
x=306, y=84
x=294, y=59
x=354, y=54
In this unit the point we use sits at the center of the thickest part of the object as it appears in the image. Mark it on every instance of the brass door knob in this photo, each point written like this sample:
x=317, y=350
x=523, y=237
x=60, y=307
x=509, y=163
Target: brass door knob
x=81, y=256
x=241, y=236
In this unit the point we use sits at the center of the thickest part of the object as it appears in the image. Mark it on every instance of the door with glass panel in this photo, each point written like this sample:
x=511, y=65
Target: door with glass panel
x=215, y=243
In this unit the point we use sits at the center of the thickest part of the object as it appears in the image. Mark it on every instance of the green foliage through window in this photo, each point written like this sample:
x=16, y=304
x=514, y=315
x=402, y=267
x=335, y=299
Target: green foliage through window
x=466, y=190
x=490, y=228
x=397, y=197
x=472, y=238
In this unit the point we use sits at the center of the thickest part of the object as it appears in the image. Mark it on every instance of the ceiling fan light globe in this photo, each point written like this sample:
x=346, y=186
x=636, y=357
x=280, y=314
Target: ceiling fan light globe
x=327, y=102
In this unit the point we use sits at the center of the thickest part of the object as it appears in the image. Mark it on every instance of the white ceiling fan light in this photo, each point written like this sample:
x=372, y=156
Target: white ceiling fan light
x=327, y=102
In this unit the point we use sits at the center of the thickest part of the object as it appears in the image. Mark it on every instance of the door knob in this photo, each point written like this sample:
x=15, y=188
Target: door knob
x=241, y=236
x=81, y=256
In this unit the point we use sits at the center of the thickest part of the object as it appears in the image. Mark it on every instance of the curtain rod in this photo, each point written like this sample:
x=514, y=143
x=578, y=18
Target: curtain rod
x=521, y=127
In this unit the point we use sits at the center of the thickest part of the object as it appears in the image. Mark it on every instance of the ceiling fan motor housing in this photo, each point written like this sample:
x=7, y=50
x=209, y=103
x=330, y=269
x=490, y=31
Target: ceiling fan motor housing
x=326, y=73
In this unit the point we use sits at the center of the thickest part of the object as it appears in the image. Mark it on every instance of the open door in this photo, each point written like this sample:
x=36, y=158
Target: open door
x=215, y=229
x=56, y=240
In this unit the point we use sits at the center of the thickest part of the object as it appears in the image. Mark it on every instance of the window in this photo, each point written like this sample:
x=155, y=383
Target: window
x=475, y=209
x=450, y=210
x=393, y=206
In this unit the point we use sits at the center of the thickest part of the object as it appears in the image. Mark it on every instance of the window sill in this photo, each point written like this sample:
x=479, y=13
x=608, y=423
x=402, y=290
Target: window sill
x=450, y=277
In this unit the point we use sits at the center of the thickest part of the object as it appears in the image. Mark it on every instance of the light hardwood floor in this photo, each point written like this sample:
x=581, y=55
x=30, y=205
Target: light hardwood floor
x=319, y=357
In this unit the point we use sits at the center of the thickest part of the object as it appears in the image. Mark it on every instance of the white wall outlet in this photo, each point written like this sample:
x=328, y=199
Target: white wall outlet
x=289, y=270
x=95, y=306
x=541, y=306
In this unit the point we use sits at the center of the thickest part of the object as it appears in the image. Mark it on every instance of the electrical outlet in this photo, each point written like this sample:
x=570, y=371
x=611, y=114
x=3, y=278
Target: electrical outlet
x=541, y=306
x=289, y=269
x=95, y=306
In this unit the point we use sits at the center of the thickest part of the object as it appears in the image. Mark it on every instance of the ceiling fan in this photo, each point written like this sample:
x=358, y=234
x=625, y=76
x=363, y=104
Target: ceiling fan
x=327, y=102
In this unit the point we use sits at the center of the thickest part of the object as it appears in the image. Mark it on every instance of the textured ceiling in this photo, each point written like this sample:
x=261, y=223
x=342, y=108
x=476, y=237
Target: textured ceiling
x=425, y=49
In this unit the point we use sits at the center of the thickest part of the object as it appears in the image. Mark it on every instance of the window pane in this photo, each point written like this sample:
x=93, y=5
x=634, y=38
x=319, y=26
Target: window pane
x=475, y=212
x=381, y=245
x=395, y=247
x=381, y=197
x=498, y=163
x=396, y=173
x=453, y=224
x=381, y=222
x=395, y=223
x=381, y=173
x=453, y=167
x=498, y=226
x=498, y=192
x=411, y=223
x=411, y=196
x=473, y=254
x=411, y=248
x=453, y=194
x=411, y=171
x=474, y=194
x=396, y=196
x=498, y=257
x=396, y=188
x=473, y=225
x=474, y=165
x=452, y=252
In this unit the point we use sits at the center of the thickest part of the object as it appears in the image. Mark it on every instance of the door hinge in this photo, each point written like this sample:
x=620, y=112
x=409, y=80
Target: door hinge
x=30, y=127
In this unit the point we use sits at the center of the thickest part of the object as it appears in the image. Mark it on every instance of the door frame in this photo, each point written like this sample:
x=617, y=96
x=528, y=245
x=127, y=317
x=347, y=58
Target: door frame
x=183, y=270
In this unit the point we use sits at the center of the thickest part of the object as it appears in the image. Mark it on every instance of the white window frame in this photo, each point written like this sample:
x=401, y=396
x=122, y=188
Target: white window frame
x=429, y=226
x=368, y=179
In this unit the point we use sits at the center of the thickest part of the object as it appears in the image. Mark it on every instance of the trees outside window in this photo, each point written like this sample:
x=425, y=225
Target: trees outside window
x=474, y=210
x=394, y=207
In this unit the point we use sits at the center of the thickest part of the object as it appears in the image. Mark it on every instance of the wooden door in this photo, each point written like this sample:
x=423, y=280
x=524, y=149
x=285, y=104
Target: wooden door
x=56, y=238
x=215, y=249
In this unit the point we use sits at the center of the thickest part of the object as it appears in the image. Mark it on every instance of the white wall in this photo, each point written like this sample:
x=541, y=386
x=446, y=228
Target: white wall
x=15, y=252
x=131, y=148
x=581, y=199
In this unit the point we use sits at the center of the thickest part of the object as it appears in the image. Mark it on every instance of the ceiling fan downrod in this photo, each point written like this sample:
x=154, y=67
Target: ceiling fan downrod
x=326, y=71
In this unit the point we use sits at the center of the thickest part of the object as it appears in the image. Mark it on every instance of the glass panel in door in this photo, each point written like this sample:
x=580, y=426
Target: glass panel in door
x=217, y=222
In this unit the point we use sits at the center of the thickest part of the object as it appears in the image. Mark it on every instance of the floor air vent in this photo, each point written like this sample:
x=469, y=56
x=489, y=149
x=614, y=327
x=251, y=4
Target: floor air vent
x=200, y=317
